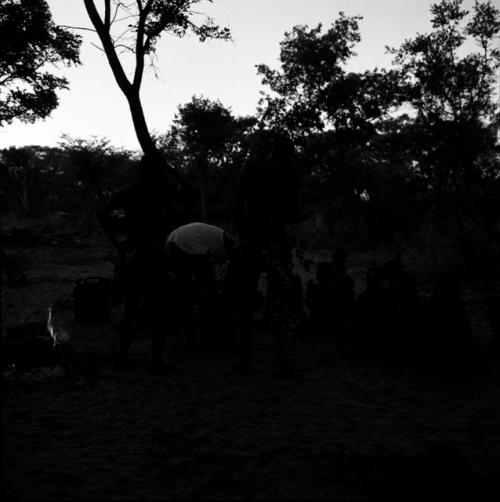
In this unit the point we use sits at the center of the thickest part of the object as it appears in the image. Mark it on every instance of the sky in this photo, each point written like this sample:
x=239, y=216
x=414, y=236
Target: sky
x=217, y=70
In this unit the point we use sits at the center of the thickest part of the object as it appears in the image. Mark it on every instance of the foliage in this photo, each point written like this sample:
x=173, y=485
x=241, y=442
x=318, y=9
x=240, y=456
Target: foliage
x=78, y=176
x=98, y=168
x=24, y=173
x=439, y=83
x=360, y=156
x=331, y=113
x=30, y=40
x=373, y=173
x=313, y=90
x=204, y=126
x=207, y=143
x=452, y=94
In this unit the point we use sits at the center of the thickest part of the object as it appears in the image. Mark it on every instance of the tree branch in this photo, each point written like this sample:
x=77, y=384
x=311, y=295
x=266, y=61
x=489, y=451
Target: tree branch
x=139, y=51
x=107, y=44
x=124, y=47
x=77, y=28
x=117, y=8
x=139, y=44
x=96, y=46
x=107, y=13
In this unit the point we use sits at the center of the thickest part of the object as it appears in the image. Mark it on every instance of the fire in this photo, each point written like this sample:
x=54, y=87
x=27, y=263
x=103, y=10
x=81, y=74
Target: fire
x=50, y=327
x=58, y=335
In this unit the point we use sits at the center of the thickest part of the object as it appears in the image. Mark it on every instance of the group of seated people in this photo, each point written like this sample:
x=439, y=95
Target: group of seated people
x=389, y=318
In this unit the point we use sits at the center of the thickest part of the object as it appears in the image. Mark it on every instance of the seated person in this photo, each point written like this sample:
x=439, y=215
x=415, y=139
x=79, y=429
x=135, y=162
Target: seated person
x=330, y=300
x=409, y=321
x=450, y=344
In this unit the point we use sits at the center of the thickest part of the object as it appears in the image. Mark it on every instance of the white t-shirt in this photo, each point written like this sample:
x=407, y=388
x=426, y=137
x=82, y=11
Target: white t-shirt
x=200, y=238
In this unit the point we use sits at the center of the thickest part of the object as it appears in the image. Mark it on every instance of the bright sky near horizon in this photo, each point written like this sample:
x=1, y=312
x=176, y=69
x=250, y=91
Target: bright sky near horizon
x=218, y=70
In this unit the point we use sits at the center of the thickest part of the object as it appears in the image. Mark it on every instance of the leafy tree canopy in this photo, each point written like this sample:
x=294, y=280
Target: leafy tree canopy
x=30, y=40
x=441, y=84
x=204, y=125
x=313, y=91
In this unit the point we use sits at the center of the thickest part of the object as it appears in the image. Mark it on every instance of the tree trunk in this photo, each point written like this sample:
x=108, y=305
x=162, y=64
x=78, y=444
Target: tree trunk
x=131, y=90
x=202, y=166
x=141, y=128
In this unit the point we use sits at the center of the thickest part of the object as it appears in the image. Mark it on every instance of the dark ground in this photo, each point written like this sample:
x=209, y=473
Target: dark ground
x=342, y=427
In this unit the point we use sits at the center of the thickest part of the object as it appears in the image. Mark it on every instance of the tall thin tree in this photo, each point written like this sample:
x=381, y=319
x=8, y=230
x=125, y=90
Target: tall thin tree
x=144, y=21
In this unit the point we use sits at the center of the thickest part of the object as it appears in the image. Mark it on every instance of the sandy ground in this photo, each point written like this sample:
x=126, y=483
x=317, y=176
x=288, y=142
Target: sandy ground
x=342, y=427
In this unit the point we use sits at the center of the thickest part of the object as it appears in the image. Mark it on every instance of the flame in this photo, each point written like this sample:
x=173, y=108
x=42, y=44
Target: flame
x=58, y=335
x=50, y=327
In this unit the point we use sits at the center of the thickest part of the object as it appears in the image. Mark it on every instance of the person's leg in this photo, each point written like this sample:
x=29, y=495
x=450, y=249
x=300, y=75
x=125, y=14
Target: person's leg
x=206, y=285
x=204, y=275
x=241, y=282
x=280, y=285
x=161, y=310
x=132, y=299
x=184, y=282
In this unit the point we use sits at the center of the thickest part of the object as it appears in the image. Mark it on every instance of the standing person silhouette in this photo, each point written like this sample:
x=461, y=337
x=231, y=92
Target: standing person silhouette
x=267, y=200
x=159, y=201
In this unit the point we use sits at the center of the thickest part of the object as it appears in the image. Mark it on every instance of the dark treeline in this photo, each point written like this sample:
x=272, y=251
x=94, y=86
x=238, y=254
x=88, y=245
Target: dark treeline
x=401, y=154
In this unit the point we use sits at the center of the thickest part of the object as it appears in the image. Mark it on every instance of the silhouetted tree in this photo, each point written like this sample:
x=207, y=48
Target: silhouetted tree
x=325, y=108
x=75, y=177
x=453, y=93
x=203, y=126
x=135, y=28
x=313, y=91
x=208, y=144
x=27, y=175
x=98, y=168
x=29, y=40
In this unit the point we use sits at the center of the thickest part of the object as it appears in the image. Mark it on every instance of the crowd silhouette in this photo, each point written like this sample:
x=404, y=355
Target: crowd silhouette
x=390, y=319
x=168, y=259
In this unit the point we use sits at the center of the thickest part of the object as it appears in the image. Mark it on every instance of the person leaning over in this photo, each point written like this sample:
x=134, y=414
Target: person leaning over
x=191, y=251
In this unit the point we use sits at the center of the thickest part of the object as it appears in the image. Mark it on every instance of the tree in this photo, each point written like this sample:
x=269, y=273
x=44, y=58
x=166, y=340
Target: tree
x=203, y=127
x=440, y=84
x=134, y=27
x=27, y=174
x=30, y=40
x=207, y=140
x=98, y=168
x=313, y=95
x=313, y=92
x=76, y=177
x=453, y=94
